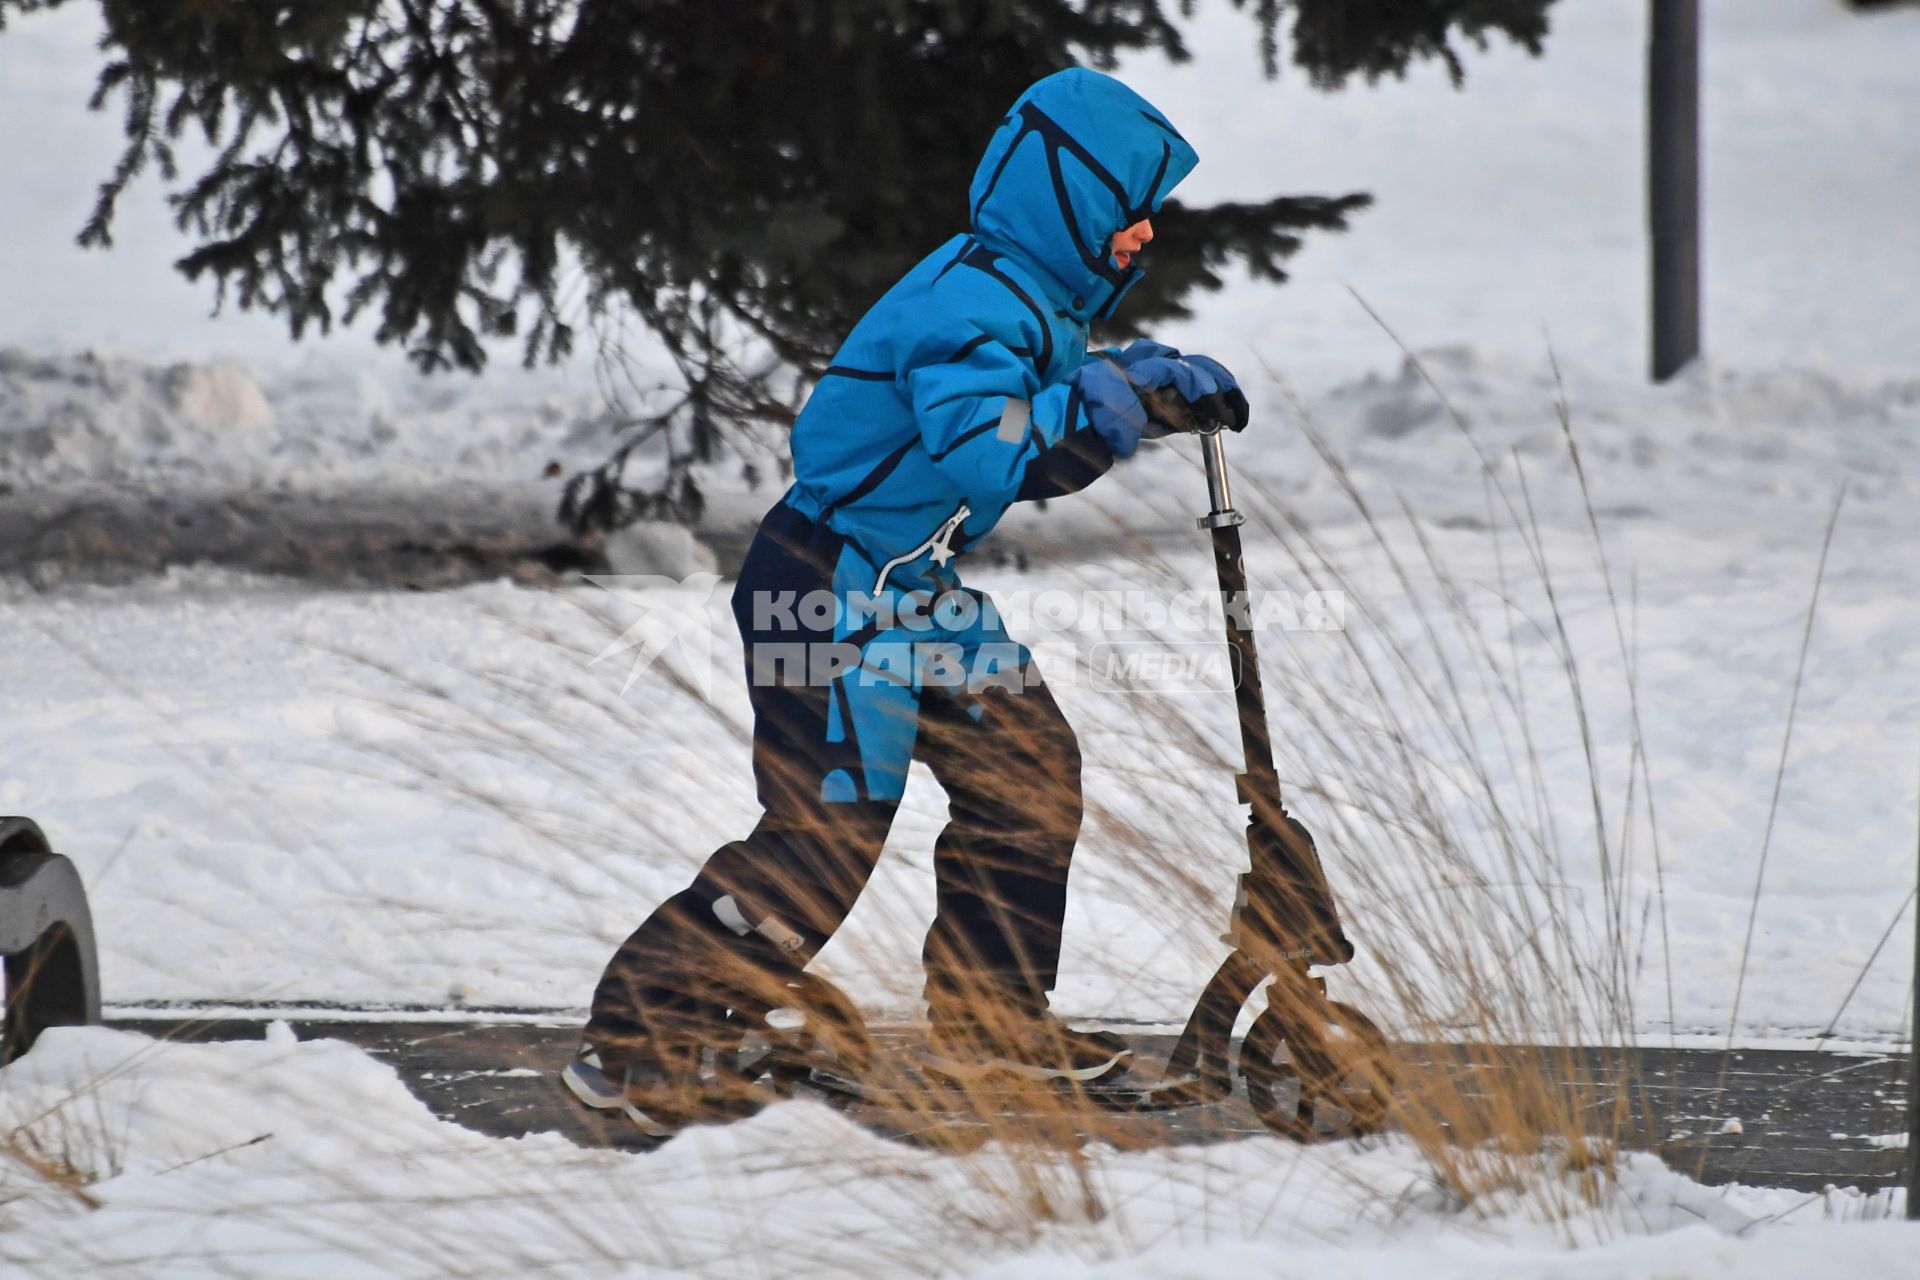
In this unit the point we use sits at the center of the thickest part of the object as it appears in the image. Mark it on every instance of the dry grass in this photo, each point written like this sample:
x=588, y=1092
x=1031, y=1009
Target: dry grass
x=1415, y=743
x=1412, y=742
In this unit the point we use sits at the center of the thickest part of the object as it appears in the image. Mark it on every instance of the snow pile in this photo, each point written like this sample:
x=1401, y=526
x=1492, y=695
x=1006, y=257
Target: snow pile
x=94, y=420
x=115, y=442
x=84, y=418
x=279, y=1158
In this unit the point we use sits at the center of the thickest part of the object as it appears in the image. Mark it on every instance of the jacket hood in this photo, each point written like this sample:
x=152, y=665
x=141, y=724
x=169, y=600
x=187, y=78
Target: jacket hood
x=1078, y=157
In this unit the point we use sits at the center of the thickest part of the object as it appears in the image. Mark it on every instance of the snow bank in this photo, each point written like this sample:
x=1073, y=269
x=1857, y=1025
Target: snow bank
x=1717, y=443
x=279, y=1158
x=98, y=420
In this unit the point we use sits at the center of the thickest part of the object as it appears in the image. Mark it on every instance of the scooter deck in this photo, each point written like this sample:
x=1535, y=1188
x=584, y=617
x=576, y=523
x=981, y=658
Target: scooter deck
x=913, y=1095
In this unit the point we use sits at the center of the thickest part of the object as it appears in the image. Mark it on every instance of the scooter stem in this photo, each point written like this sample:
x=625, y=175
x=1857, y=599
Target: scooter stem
x=1219, y=488
x=1284, y=901
x=1224, y=523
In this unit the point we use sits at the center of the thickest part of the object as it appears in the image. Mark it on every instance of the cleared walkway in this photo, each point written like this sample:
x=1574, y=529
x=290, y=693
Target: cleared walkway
x=1790, y=1118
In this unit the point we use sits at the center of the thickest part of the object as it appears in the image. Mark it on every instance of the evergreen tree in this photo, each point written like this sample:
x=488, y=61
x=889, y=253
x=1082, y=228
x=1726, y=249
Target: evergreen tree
x=741, y=177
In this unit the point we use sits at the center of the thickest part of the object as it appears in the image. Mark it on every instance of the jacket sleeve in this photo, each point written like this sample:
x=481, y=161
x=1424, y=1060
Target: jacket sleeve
x=1080, y=458
x=984, y=417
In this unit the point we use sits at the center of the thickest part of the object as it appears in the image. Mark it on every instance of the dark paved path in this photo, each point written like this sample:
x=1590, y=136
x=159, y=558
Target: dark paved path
x=1805, y=1118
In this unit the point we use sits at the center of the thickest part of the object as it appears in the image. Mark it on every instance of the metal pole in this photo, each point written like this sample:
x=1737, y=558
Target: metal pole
x=1913, y=1079
x=1219, y=488
x=1673, y=182
x=1230, y=569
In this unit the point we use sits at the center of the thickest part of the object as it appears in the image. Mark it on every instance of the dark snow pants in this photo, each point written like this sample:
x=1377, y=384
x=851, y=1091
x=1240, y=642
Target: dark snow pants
x=1009, y=764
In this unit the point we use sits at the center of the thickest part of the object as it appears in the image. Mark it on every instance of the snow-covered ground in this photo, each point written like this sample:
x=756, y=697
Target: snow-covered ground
x=322, y=1164
x=285, y=795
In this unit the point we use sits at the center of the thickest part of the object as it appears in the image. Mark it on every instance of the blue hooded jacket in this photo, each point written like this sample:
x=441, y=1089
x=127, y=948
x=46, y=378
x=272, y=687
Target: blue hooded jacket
x=949, y=400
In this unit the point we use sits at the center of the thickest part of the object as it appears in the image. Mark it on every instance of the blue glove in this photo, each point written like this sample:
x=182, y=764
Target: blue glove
x=1137, y=350
x=1110, y=390
x=1113, y=406
x=1212, y=395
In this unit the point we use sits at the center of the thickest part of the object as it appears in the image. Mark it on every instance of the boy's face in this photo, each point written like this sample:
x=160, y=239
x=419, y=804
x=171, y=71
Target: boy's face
x=1129, y=242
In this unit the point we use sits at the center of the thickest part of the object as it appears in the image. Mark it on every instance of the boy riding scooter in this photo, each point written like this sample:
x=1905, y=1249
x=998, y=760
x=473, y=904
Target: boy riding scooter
x=966, y=388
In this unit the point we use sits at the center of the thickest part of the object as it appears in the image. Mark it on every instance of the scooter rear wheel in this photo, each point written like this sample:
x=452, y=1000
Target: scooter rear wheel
x=1323, y=1076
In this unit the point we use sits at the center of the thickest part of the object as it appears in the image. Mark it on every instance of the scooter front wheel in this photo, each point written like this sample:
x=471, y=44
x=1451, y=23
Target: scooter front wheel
x=1323, y=1073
